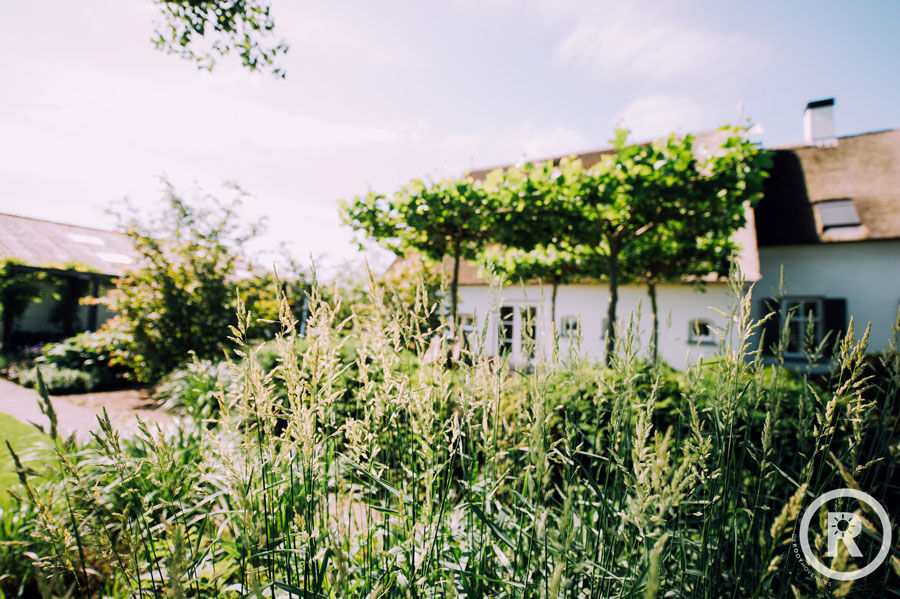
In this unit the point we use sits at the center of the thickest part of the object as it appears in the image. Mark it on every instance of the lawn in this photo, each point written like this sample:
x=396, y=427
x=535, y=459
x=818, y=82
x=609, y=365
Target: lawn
x=22, y=437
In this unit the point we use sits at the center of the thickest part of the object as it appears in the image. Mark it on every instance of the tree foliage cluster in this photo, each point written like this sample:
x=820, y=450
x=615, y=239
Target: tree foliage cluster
x=18, y=289
x=193, y=268
x=200, y=30
x=644, y=213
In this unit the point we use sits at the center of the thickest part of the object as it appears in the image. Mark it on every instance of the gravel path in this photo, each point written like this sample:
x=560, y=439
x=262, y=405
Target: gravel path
x=78, y=413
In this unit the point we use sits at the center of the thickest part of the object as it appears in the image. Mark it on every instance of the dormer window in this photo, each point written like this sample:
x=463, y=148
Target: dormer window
x=838, y=213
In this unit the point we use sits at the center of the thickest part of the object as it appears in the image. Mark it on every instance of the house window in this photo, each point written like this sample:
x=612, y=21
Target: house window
x=568, y=327
x=804, y=324
x=528, y=316
x=467, y=328
x=701, y=332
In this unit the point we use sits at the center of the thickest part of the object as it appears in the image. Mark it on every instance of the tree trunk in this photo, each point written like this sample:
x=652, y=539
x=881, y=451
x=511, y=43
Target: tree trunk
x=454, y=295
x=654, y=319
x=613, y=301
x=553, y=302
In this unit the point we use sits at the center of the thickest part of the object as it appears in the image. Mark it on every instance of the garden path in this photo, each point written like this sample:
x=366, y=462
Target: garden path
x=78, y=413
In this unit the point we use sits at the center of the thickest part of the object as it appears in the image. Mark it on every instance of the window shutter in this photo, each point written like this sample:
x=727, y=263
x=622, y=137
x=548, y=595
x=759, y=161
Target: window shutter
x=834, y=322
x=772, y=327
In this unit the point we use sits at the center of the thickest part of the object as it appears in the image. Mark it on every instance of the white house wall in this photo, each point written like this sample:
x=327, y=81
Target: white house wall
x=866, y=274
x=678, y=306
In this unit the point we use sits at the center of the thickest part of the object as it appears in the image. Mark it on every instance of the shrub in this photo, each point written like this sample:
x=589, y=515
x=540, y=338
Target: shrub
x=180, y=300
x=98, y=354
x=575, y=480
x=61, y=381
x=195, y=389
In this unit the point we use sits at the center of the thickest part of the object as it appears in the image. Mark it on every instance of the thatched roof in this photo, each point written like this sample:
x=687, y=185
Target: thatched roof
x=41, y=243
x=864, y=169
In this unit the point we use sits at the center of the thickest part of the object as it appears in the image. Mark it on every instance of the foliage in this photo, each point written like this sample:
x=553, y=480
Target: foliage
x=576, y=480
x=99, y=355
x=648, y=212
x=18, y=289
x=61, y=381
x=242, y=26
x=450, y=217
x=643, y=192
x=180, y=299
x=194, y=390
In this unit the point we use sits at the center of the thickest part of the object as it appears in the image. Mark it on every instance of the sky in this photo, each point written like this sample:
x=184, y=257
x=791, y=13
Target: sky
x=378, y=93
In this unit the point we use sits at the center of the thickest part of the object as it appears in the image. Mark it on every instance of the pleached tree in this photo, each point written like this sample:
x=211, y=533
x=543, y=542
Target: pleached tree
x=650, y=199
x=450, y=217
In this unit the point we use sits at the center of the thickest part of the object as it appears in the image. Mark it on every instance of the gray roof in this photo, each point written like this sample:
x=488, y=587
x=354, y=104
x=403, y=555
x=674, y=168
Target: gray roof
x=42, y=243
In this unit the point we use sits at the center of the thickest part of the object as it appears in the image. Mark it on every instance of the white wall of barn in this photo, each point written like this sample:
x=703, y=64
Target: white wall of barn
x=678, y=306
x=865, y=273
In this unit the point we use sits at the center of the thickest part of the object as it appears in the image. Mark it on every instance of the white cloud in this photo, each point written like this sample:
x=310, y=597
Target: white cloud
x=475, y=151
x=553, y=142
x=158, y=114
x=651, y=41
x=654, y=116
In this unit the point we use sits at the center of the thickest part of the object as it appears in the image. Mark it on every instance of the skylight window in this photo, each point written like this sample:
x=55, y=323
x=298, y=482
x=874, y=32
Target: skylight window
x=838, y=213
x=115, y=258
x=91, y=239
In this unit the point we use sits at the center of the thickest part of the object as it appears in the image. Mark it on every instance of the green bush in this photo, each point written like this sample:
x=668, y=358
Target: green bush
x=19, y=577
x=98, y=354
x=195, y=389
x=400, y=477
x=61, y=381
x=181, y=300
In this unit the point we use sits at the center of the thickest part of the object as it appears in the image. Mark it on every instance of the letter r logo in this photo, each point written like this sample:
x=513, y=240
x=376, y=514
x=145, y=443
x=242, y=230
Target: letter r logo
x=843, y=526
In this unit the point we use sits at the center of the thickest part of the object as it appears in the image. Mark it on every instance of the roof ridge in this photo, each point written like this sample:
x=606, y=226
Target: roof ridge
x=697, y=135
x=56, y=222
x=801, y=145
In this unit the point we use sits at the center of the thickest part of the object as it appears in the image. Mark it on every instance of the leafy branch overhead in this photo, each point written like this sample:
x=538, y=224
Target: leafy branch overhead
x=201, y=30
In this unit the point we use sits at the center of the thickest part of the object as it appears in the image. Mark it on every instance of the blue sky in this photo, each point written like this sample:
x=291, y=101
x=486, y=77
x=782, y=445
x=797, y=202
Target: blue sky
x=378, y=93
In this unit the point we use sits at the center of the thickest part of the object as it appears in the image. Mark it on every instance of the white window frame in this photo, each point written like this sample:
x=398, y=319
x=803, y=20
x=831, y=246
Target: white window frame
x=696, y=339
x=467, y=327
x=569, y=327
x=802, y=319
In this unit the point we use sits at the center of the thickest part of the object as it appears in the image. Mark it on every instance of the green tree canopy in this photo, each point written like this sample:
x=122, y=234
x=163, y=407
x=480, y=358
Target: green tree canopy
x=181, y=296
x=710, y=204
x=659, y=198
x=450, y=217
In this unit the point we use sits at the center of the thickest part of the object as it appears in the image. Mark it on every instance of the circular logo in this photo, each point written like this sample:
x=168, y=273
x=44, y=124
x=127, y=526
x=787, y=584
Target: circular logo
x=844, y=527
